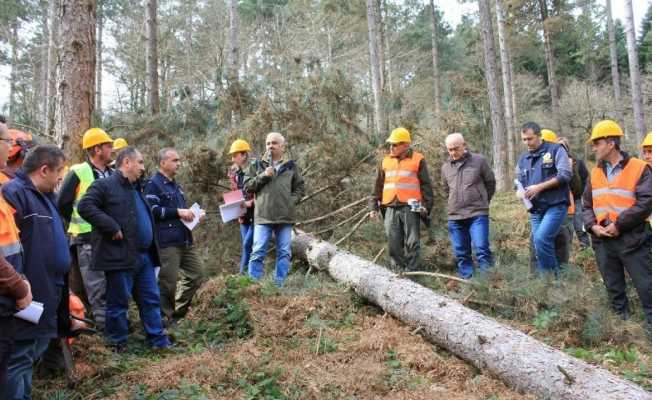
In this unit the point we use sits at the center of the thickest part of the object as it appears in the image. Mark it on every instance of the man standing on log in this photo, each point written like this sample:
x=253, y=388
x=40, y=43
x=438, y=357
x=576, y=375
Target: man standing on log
x=278, y=187
x=617, y=206
x=544, y=172
x=470, y=184
x=404, y=193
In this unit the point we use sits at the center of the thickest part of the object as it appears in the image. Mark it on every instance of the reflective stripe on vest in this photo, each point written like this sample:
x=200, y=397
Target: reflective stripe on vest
x=612, y=198
x=401, y=178
x=77, y=224
x=9, y=239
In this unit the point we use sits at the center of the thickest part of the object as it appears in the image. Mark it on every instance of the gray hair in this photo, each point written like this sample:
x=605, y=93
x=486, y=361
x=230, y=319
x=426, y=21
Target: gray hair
x=163, y=154
x=276, y=135
x=128, y=152
x=454, y=137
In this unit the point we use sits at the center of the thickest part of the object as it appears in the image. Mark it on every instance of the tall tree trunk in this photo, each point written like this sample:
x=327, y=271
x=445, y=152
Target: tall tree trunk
x=43, y=80
x=381, y=44
x=53, y=43
x=75, y=74
x=436, y=79
x=553, y=85
x=634, y=73
x=516, y=358
x=153, y=99
x=98, y=57
x=14, y=70
x=388, y=54
x=497, y=120
x=379, y=114
x=615, y=74
x=515, y=135
x=233, y=62
x=507, y=83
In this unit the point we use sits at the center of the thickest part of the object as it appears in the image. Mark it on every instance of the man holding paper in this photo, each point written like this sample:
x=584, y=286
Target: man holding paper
x=544, y=172
x=278, y=187
x=177, y=252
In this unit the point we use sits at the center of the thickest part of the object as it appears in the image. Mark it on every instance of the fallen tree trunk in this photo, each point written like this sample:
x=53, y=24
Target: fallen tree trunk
x=512, y=356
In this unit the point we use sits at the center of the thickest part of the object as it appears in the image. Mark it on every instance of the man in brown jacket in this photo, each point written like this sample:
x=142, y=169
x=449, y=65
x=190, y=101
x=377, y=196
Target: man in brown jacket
x=470, y=184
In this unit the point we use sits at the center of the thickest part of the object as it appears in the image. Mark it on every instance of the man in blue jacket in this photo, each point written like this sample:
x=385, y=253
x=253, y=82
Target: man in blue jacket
x=126, y=249
x=46, y=259
x=175, y=240
x=544, y=172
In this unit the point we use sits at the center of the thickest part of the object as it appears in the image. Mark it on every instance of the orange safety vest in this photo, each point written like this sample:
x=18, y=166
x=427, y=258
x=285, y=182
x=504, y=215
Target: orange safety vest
x=4, y=178
x=401, y=178
x=612, y=198
x=9, y=239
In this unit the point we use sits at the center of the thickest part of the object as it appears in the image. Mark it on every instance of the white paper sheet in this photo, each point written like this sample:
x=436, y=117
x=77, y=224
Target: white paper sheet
x=32, y=313
x=232, y=211
x=196, y=209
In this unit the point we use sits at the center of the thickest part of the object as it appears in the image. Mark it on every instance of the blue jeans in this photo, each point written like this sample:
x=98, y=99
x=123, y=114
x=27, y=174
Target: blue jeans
x=544, y=228
x=247, y=237
x=141, y=284
x=21, y=363
x=262, y=235
x=465, y=233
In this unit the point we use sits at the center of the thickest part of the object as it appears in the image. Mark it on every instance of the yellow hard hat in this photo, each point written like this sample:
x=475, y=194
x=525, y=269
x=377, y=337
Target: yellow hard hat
x=606, y=128
x=648, y=140
x=548, y=135
x=93, y=137
x=399, y=135
x=120, y=143
x=239, y=146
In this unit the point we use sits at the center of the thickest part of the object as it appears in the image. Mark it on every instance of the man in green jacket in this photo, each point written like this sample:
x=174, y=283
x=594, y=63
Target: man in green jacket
x=278, y=187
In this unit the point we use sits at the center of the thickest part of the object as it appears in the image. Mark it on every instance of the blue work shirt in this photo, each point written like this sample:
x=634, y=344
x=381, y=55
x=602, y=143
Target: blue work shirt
x=145, y=234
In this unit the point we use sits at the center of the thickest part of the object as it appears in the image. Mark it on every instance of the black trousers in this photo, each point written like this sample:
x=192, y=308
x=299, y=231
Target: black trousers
x=614, y=257
x=6, y=347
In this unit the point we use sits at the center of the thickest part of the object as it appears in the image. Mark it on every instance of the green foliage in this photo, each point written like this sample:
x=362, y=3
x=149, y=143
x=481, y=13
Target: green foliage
x=185, y=392
x=544, y=319
x=263, y=385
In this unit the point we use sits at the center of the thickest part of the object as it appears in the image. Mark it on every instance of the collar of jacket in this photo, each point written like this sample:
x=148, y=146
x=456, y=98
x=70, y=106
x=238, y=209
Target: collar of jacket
x=124, y=181
x=622, y=163
x=27, y=182
x=545, y=146
x=164, y=178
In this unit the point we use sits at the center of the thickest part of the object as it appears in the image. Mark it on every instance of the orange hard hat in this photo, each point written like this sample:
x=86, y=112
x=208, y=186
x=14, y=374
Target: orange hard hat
x=21, y=143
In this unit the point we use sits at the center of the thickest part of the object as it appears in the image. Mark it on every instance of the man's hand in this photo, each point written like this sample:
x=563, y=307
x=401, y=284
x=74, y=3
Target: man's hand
x=249, y=203
x=118, y=235
x=22, y=304
x=612, y=230
x=269, y=171
x=186, y=214
x=532, y=191
x=600, y=231
x=373, y=214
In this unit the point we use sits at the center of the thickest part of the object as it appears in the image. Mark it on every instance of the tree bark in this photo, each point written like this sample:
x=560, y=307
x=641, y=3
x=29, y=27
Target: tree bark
x=13, y=76
x=75, y=75
x=98, y=57
x=436, y=78
x=381, y=45
x=553, y=85
x=388, y=54
x=43, y=89
x=233, y=59
x=509, y=354
x=497, y=119
x=379, y=114
x=53, y=43
x=153, y=99
x=615, y=74
x=634, y=73
x=507, y=83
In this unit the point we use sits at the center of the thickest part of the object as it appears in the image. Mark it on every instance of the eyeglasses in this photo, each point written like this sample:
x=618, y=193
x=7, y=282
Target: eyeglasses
x=7, y=141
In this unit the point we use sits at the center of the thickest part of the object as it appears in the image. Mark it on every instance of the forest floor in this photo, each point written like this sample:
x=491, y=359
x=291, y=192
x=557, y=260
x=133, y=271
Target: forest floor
x=315, y=339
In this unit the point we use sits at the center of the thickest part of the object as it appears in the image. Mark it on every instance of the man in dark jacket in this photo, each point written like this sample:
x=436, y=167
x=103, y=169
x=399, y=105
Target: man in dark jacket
x=617, y=206
x=46, y=260
x=278, y=186
x=470, y=184
x=175, y=240
x=544, y=172
x=125, y=248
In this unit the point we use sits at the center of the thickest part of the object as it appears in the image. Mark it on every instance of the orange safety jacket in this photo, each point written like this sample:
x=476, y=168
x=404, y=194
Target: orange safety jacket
x=612, y=198
x=9, y=239
x=401, y=178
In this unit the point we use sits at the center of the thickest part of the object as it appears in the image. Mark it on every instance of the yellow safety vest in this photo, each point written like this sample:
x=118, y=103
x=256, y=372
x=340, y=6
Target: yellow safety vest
x=77, y=224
